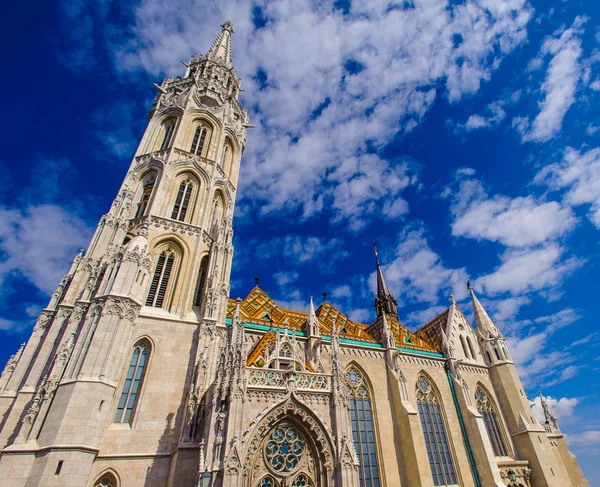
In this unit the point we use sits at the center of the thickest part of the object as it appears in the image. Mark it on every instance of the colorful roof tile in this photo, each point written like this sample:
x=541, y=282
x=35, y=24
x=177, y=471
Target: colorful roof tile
x=259, y=308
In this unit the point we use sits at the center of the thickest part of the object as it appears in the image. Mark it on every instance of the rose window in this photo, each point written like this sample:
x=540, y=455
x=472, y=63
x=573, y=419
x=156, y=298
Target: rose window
x=284, y=449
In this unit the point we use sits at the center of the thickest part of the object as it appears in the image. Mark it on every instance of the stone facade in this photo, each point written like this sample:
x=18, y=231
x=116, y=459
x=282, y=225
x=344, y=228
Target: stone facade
x=142, y=372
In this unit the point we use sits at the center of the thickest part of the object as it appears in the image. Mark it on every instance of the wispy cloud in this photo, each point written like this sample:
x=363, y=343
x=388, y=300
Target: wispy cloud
x=578, y=174
x=562, y=76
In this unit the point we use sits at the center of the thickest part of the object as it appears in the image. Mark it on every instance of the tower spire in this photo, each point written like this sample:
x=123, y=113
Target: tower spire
x=483, y=322
x=384, y=299
x=220, y=52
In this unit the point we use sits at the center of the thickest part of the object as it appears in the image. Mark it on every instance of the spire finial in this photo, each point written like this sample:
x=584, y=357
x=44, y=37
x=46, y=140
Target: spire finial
x=469, y=287
x=256, y=280
x=228, y=26
x=324, y=296
x=452, y=298
x=376, y=253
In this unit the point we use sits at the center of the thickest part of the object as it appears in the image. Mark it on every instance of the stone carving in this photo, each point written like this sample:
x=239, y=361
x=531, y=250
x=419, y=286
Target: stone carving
x=11, y=365
x=43, y=320
x=291, y=407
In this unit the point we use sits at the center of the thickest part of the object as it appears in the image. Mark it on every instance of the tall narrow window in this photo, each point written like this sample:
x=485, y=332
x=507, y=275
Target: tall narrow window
x=132, y=385
x=158, y=286
x=183, y=200
x=363, y=433
x=201, y=281
x=169, y=128
x=198, y=141
x=492, y=425
x=227, y=159
x=464, y=347
x=436, y=441
x=147, y=188
x=471, y=348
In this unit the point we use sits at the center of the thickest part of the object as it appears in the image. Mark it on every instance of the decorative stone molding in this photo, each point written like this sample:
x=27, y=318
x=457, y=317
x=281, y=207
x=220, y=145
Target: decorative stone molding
x=174, y=226
x=261, y=426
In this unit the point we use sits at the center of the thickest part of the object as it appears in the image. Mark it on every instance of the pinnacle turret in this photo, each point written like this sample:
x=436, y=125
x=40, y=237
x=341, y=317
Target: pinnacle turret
x=384, y=299
x=220, y=52
x=312, y=324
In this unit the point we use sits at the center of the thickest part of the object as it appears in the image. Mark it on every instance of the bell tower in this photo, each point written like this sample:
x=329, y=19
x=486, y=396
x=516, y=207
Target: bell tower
x=153, y=286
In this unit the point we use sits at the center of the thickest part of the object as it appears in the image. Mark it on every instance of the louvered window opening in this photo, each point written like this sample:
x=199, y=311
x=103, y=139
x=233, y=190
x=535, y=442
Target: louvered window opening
x=198, y=141
x=160, y=280
x=146, y=193
x=182, y=201
x=436, y=440
x=133, y=382
x=363, y=436
x=169, y=129
x=492, y=425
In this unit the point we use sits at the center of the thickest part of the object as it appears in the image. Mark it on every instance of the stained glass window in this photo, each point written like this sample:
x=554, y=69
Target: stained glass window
x=106, y=480
x=198, y=141
x=284, y=449
x=268, y=482
x=133, y=382
x=182, y=201
x=363, y=435
x=492, y=425
x=436, y=440
x=147, y=188
x=302, y=481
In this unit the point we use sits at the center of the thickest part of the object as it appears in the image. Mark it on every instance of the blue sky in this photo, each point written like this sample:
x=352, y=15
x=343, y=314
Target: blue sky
x=462, y=136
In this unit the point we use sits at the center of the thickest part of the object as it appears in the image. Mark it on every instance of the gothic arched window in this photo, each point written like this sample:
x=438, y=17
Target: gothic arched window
x=201, y=281
x=200, y=135
x=363, y=433
x=182, y=200
x=106, y=480
x=133, y=383
x=169, y=129
x=147, y=188
x=492, y=425
x=160, y=280
x=434, y=430
x=227, y=158
x=464, y=346
x=471, y=348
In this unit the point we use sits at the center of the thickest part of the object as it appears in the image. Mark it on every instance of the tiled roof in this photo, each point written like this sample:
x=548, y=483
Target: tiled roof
x=260, y=309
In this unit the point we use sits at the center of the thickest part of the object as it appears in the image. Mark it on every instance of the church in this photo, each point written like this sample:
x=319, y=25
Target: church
x=142, y=372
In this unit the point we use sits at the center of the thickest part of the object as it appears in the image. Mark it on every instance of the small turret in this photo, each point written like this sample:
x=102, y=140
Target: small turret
x=491, y=340
x=384, y=299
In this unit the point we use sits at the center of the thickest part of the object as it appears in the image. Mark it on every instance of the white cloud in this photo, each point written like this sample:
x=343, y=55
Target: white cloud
x=39, y=244
x=585, y=439
x=417, y=319
x=562, y=76
x=284, y=278
x=496, y=115
x=299, y=249
x=417, y=273
x=297, y=159
x=527, y=270
x=361, y=315
x=595, y=85
x=561, y=408
x=579, y=175
x=341, y=292
x=518, y=222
